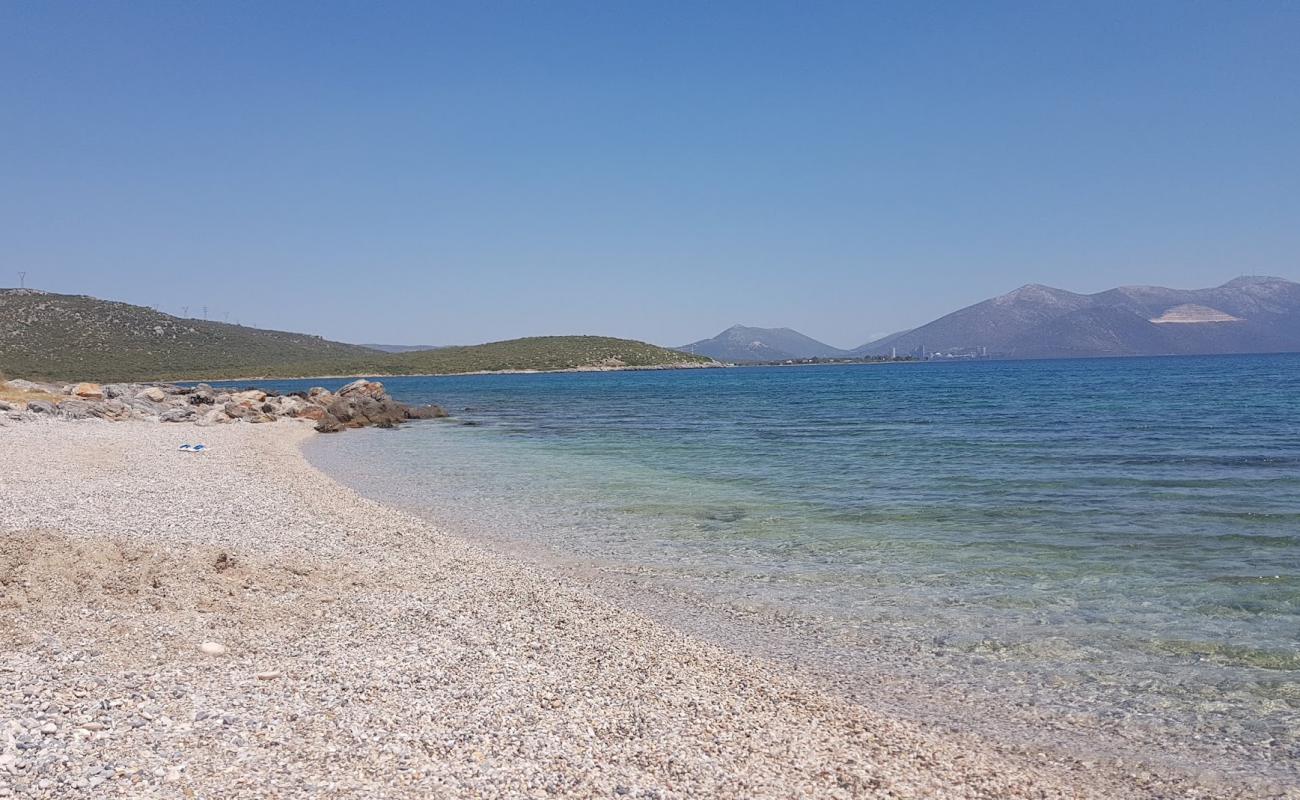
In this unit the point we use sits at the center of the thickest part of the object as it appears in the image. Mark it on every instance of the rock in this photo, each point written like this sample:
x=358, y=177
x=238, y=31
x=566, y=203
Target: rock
x=212, y=649
x=425, y=412
x=315, y=413
x=360, y=410
x=49, y=729
x=328, y=424
x=40, y=407
x=112, y=410
x=5, y=406
x=115, y=390
x=203, y=396
x=269, y=675
x=178, y=414
x=74, y=409
x=319, y=394
x=250, y=396
x=88, y=391
x=364, y=387
x=342, y=409
x=215, y=416
x=293, y=406
x=153, y=394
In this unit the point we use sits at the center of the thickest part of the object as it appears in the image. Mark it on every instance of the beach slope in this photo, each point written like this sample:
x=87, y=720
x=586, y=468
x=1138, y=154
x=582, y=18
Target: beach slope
x=365, y=655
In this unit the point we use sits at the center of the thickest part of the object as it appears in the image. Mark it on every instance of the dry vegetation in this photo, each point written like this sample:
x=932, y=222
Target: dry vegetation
x=11, y=394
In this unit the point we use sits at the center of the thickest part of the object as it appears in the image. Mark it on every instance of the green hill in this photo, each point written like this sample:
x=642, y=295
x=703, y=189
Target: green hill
x=542, y=353
x=74, y=337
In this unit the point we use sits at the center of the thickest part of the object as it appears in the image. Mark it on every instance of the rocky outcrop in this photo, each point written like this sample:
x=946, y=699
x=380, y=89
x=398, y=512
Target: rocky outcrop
x=365, y=403
x=359, y=404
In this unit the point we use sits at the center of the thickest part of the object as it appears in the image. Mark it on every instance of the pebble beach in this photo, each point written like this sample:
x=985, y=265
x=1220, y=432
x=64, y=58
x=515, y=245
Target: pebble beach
x=233, y=623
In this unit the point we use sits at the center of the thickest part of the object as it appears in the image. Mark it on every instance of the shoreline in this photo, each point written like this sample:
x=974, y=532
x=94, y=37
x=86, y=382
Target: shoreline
x=909, y=672
x=370, y=652
x=379, y=375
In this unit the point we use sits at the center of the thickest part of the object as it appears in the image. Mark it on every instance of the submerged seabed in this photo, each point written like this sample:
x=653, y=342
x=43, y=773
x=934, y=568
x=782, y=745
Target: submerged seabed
x=1100, y=556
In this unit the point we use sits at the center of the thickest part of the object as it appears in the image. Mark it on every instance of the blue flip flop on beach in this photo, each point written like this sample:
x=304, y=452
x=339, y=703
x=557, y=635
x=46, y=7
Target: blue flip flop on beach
x=193, y=448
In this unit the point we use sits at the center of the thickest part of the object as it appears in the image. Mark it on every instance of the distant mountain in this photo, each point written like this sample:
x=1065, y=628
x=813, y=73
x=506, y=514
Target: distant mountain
x=400, y=348
x=1246, y=315
x=73, y=337
x=741, y=343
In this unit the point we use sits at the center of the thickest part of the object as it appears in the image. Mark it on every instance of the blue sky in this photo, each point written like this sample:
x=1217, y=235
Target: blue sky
x=459, y=172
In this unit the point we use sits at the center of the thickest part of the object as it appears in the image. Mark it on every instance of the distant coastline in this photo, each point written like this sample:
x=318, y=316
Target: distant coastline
x=648, y=368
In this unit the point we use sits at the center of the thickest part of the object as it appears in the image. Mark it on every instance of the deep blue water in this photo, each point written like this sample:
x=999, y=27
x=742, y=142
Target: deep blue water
x=1120, y=537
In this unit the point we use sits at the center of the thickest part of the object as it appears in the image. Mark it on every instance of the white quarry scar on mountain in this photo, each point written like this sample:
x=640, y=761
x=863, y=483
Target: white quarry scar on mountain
x=1191, y=313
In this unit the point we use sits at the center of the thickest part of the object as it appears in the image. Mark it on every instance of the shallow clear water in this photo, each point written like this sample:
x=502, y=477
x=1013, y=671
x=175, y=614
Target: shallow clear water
x=1099, y=544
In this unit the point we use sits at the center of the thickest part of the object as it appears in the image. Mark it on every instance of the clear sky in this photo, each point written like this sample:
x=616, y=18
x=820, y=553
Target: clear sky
x=459, y=172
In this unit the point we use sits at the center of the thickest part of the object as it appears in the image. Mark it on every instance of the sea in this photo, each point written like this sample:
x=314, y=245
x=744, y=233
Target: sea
x=1099, y=557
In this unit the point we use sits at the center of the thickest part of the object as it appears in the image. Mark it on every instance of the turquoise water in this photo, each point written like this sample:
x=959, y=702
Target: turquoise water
x=1092, y=548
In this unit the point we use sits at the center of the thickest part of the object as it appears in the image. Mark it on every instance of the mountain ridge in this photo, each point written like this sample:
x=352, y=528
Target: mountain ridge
x=1248, y=314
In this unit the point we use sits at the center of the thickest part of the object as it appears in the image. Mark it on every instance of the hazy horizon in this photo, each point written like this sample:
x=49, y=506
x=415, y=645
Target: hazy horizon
x=462, y=173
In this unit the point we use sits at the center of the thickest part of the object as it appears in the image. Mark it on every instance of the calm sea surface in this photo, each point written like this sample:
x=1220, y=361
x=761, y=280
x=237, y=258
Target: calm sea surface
x=1083, y=551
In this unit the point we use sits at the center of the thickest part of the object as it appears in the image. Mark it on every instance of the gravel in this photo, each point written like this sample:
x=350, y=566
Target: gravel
x=360, y=654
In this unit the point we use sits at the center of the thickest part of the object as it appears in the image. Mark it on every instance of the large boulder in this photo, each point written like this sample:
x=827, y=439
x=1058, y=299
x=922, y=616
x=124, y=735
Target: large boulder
x=315, y=413
x=425, y=412
x=115, y=390
x=88, y=391
x=74, y=409
x=360, y=410
x=363, y=388
x=153, y=394
x=111, y=410
x=178, y=414
x=249, y=396
x=329, y=424
x=291, y=406
x=213, y=416
x=41, y=407
x=202, y=396
x=239, y=410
